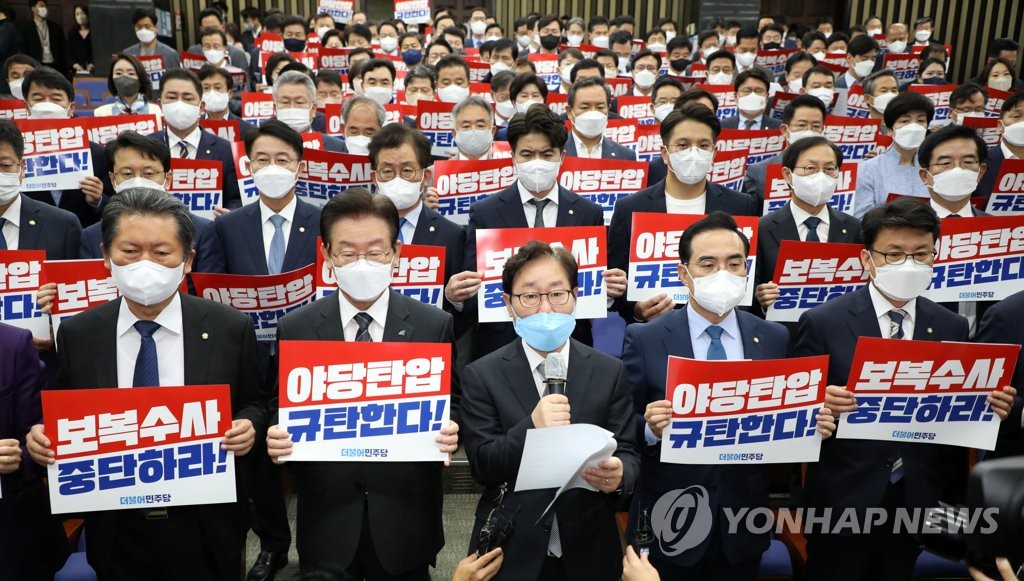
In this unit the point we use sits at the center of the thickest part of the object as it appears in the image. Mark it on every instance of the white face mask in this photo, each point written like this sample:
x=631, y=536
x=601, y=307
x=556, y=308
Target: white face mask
x=505, y=108
x=708, y=51
x=403, y=194
x=453, y=94
x=815, y=189
x=523, y=40
x=1013, y=134
x=752, y=103
x=922, y=35
x=381, y=95
x=656, y=47
x=42, y=11
x=525, y=106
x=645, y=79
x=478, y=27
x=872, y=32
x=388, y=44
x=910, y=136
x=819, y=56
x=146, y=282
x=669, y=35
x=590, y=124
x=720, y=292
x=47, y=110
x=538, y=175
x=358, y=144
x=882, y=101
x=796, y=84
x=363, y=280
x=795, y=136
x=691, y=166
x=494, y=37
x=15, y=86
x=137, y=182
x=720, y=79
x=10, y=186
x=897, y=46
x=863, y=68
x=1001, y=83
x=145, y=35
x=823, y=94
x=903, y=282
x=296, y=118
x=320, y=32
x=955, y=184
x=274, y=181
x=499, y=67
x=600, y=41
x=216, y=101
x=575, y=39
x=181, y=115
x=214, y=56
x=662, y=111
x=745, y=59
x=474, y=142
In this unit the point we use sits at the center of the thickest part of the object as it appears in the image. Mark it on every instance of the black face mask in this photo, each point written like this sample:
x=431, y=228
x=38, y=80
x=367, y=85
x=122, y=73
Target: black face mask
x=550, y=41
x=294, y=44
x=679, y=64
x=126, y=86
x=771, y=46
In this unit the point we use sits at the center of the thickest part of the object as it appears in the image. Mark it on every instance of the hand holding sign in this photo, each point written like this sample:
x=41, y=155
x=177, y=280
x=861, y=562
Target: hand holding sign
x=279, y=444
x=463, y=286
x=657, y=415
x=10, y=456
x=448, y=438
x=1001, y=401
x=615, y=282
x=240, y=438
x=838, y=399
x=653, y=307
x=766, y=294
x=39, y=446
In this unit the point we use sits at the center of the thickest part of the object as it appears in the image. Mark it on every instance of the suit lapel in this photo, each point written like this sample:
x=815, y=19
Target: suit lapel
x=253, y=232
x=677, y=334
x=329, y=328
x=570, y=146
x=578, y=376
x=302, y=230
x=519, y=376
x=840, y=230
x=863, y=323
x=752, y=347
x=511, y=209
x=397, y=327
x=657, y=196
x=924, y=329
x=783, y=226
x=103, y=357
x=30, y=229
x=566, y=208
x=196, y=331
x=205, y=148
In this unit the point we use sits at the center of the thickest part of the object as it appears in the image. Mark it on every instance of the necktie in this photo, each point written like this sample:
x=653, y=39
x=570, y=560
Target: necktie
x=953, y=216
x=716, y=351
x=401, y=225
x=812, y=228
x=147, y=371
x=182, y=150
x=363, y=332
x=554, y=541
x=3, y=241
x=749, y=123
x=56, y=195
x=896, y=317
x=538, y=219
x=276, y=258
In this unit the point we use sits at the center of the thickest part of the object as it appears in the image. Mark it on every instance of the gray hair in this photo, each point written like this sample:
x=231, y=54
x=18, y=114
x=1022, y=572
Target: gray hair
x=871, y=80
x=473, y=101
x=360, y=100
x=147, y=202
x=576, y=20
x=296, y=78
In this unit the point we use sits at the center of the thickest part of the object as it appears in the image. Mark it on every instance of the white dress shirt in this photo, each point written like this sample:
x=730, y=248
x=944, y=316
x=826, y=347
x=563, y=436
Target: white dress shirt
x=550, y=210
x=964, y=211
x=582, y=151
x=966, y=309
x=882, y=307
x=12, y=223
x=536, y=360
x=378, y=310
x=268, y=227
x=742, y=121
x=799, y=215
x=191, y=142
x=170, y=345
x=694, y=206
x=411, y=220
x=1006, y=150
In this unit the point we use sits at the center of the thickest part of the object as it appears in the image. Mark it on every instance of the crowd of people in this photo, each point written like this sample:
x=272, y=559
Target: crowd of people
x=383, y=520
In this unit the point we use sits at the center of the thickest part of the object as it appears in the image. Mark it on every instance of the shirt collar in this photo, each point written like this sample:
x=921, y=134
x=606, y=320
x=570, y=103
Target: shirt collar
x=882, y=305
x=13, y=212
x=288, y=211
x=413, y=217
x=526, y=196
x=378, y=310
x=535, y=359
x=582, y=148
x=799, y=215
x=698, y=324
x=169, y=318
x=964, y=211
x=1006, y=150
x=191, y=139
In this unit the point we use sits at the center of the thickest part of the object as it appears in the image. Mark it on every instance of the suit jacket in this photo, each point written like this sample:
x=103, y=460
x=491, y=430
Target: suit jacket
x=652, y=199
x=987, y=183
x=754, y=179
x=334, y=144
x=172, y=60
x=645, y=353
x=1002, y=323
x=780, y=225
x=44, y=227
x=243, y=126
x=209, y=257
x=212, y=147
x=733, y=122
x=609, y=149
x=34, y=47
x=433, y=229
x=74, y=200
x=657, y=170
x=240, y=236
x=499, y=395
x=833, y=329
x=403, y=498
x=236, y=56
x=220, y=348
x=505, y=210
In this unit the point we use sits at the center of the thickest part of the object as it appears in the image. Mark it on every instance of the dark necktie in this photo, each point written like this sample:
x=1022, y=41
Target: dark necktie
x=401, y=224
x=896, y=317
x=363, y=320
x=538, y=219
x=276, y=258
x=3, y=241
x=147, y=371
x=716, y=350
x=750, y=123
x=812, y=228
x=953, y=216
x=183, y=150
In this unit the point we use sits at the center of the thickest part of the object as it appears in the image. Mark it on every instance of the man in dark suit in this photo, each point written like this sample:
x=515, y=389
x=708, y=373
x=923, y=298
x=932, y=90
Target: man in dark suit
x=708, y=250
x=295, y=103
x=504, y=396
x=807, y=216
x=588, y=101
x=536, y=199
x=191, y=341
x=688, y=135
x=1010, y=147
x=752, y=101
x=366, y=520
x=181, y=100
x=49, y=95
x=25, y=506
x=274, y=235
x=44, y=39
x=218, y=88
x=1003, y=323
x=887, y=475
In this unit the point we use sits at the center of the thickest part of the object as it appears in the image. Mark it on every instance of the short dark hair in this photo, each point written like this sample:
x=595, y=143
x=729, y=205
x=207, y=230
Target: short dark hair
x=861, y=45
x=449, y=62
x=807, y=101
x=147, y=202
x=211, y=31
x=818, y=70
x=838, y=36
x=9, y=133
x=330, y=77
x=149, y=147
x=274, y=128
x=773, y=27
x=907, y=102
x=549, y=19
x=395, y=135
x=716, y=220
x=999, y=45
x=757, y=73
x=620, y=37
x=927, y=62
x=423, y=72
x=588, y=82
x=297, y=21
x=48, y=78
x=209, y=70
x=812, y=36
x=747, y=32
x=211, y=12
x=693, y=94
x=454, y=31
x=145, y=85
x=903, y=212
x=721, y=54
x=583, y=65
x=180, y=74
x=678, y=41
x=503, y=44
x=666, y=81
x=538, y=119
x=643, y=54
x=949, y=133
x=357, y=203
x=596, y=21
x=142, y=13
x=536, y=250
x=791, y=154
x=797, y=58
x=522, y=80
x=690, y=112
x=376, y=63
x=964, y=93
x=502, y=79
x=1011, y=102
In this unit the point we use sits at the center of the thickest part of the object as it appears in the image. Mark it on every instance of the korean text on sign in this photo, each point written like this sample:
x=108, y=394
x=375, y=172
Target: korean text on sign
x=812, y=273
x=979, y=259
x=19, y=281
x=57, y=154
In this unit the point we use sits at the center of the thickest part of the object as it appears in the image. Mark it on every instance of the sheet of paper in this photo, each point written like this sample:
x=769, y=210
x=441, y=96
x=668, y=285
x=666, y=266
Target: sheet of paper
x=556, y=457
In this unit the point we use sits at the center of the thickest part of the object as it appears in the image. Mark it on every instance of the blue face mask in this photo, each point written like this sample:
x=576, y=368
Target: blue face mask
x=294, y=44
x=936, y=81
x=412, y=57
x=545, y=331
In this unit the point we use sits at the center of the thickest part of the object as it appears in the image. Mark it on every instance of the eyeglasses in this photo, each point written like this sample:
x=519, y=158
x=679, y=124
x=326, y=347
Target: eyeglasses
x=387, y=174
x=923, y=257
x=830, y=170
x=344, y=258
x=149, y=174
x=711, y=266
x=556, y=298
x=744, y=91
x=971, y=164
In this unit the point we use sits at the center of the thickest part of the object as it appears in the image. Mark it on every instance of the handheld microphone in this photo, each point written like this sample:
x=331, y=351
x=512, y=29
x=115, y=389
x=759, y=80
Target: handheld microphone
x=554, y=373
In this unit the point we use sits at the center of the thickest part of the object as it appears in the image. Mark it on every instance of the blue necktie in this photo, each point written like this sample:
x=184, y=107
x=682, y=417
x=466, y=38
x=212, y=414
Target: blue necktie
x=896, y=317
x=3, y=241
x=56, y=195
x=183, y=150
x=812, y=228
x=363, y=332
x=401, y=224
x=716, y=351
x=276, y=259
x=147, y=372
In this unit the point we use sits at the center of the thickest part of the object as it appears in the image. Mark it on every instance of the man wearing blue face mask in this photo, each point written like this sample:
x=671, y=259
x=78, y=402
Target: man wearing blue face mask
x=504, y=395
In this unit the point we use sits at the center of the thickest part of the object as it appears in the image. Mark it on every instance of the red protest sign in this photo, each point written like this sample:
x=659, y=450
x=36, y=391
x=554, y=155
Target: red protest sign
x=460, y=183
x=810, y=274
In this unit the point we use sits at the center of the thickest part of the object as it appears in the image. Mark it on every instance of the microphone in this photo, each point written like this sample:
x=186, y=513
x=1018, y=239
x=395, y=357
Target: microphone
x=554, y=374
